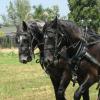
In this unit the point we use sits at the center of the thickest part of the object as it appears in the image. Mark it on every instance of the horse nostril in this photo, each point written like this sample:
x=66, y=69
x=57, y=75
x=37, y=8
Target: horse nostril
x=48, y=61
x=29, y=58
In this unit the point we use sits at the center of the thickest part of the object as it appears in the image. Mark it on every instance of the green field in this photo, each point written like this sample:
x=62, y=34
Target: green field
x=28, y=81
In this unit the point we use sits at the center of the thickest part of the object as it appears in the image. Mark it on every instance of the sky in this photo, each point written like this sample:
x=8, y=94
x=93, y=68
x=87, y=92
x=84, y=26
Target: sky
x=62, y=4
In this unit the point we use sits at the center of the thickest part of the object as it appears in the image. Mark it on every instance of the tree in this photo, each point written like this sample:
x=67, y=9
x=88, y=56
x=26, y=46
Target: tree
x=38, y=12
x=52, y=12
x=18, y=11
x=2, y=34
x=86, y=11
x=23, y=8
x=5, y=20
x=45, y=14
x=12, y=13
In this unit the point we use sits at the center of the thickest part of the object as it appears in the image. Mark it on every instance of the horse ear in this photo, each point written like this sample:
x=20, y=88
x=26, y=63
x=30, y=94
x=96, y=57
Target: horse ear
x=55, y=21
x=24, y=25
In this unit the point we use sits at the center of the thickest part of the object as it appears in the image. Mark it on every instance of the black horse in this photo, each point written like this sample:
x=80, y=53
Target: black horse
x=59, y=34
x=55, y=54
x=28, y=37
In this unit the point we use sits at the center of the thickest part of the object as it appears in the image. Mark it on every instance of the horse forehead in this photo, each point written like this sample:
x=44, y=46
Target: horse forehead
x=21, y=37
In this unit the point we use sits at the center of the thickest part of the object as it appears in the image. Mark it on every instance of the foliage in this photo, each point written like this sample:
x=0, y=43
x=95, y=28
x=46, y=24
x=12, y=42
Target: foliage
x=23, y=8
x=2, y=33
x=45, y=14
x=12, y=13
x=5, y=20
x=38, y=12
x=54, y=11
x=87, y=11
x=18, y=11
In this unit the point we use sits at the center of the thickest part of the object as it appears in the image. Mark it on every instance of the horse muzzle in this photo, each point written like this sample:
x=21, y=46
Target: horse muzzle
x=48, y=61
x=25, y=59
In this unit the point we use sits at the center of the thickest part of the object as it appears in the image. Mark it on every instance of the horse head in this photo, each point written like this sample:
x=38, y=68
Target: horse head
x=53, y=37
x=27, y=40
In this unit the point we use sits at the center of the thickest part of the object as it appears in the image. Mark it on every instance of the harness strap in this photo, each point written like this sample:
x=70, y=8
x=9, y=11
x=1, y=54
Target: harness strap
x=93, y=43
x=91, y=59
x=80, y=49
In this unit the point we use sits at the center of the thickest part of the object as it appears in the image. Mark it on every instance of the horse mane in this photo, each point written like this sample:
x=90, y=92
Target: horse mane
x=72, y=30
x=36, y=30
x=71, y=27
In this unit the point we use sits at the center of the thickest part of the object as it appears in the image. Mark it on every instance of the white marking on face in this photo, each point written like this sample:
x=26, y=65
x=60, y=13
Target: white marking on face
x=45, y=36
x=21, y=38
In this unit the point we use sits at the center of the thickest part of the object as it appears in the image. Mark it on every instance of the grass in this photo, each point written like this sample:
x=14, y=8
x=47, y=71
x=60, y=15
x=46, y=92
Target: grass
x=28, y=81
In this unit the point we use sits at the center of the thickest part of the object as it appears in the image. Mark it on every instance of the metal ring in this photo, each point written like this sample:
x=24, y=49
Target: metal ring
x=38, y=61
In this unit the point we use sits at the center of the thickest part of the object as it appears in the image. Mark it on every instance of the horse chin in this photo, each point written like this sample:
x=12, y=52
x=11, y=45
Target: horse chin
x=26, y=61
x=23, y=61
x=29, y=59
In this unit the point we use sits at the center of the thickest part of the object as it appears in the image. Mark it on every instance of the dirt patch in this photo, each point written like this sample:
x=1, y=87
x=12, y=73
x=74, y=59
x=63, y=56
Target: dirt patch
x=7, y=50
x=15, y=50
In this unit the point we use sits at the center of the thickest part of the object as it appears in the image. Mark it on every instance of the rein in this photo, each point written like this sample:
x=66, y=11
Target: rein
x=93, y=43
